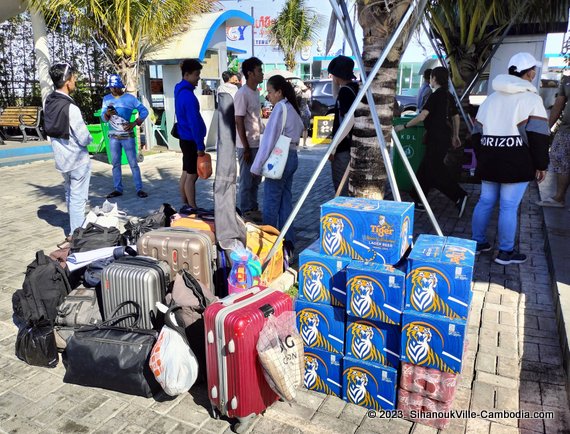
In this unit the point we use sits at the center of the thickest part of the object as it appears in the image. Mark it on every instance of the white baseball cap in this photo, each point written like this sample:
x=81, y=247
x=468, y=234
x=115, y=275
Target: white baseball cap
x=523, y=61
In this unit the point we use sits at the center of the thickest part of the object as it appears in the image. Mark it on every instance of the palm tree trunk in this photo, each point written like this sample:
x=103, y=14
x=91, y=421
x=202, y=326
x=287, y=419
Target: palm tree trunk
x=367, y=176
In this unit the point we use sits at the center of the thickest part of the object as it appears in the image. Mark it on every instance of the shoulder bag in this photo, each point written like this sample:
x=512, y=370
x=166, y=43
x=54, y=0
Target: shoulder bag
x=275, y=164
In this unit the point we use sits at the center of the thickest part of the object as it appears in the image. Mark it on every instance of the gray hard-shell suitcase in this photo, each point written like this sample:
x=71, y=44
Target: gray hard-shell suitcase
x=183, y=249
x=140, y=279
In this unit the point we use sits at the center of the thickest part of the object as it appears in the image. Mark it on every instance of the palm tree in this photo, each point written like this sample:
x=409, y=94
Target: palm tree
x=125, y=29
x=294, y=28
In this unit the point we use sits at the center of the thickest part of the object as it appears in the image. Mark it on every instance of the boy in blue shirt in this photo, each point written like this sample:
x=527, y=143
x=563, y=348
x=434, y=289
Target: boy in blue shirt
x=117, y=109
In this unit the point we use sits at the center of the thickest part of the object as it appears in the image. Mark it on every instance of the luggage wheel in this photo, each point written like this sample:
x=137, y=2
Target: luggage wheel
x=140, y=158
x=214, y=412
x=243, y=424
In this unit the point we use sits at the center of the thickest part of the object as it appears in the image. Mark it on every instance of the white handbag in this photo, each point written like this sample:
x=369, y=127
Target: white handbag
x=275, y=164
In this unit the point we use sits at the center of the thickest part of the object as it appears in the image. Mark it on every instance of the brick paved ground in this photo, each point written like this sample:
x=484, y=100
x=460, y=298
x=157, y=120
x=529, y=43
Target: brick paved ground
x=513, y=360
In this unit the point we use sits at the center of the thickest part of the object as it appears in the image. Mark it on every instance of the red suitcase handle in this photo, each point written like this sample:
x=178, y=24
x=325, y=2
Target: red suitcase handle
x=237, y=297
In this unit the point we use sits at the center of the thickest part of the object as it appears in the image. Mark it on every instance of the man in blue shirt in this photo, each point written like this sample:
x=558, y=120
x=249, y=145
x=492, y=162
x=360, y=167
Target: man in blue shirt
x=117, y=109
x=191, y=128
x=425, y=91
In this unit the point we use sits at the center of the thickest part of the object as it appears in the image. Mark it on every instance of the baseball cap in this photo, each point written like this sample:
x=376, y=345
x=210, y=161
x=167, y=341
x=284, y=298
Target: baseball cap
x=523, y=61
x=114, y=80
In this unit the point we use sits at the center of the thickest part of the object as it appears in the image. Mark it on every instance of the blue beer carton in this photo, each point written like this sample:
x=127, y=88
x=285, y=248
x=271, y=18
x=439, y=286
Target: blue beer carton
x=438, y=281
x=433, y=341
x=321, y=326
x=369, y=384
x=375, y=291
x=322, y=278
x=366, y=229
x=371, y=341
x=323, y=372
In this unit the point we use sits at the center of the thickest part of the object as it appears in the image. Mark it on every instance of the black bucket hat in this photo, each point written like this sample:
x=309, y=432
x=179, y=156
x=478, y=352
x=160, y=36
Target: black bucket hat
x=342, y=67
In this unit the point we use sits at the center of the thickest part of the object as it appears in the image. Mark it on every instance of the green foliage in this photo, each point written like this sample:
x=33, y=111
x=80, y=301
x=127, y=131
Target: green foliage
x=293, y=291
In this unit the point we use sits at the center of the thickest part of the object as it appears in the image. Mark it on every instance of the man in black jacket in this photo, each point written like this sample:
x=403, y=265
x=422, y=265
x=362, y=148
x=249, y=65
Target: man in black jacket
x=69, y=138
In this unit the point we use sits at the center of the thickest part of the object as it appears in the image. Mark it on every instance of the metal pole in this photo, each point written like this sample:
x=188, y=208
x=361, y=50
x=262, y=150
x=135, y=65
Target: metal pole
x=451, y=86
x=343, y=126
x=415, y=181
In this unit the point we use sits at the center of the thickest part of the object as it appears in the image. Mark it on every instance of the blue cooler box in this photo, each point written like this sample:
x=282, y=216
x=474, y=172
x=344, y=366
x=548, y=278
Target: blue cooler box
x=321, y=326
x=366, y=229
x=322, y=278
x=438, y=281
x=375, y=291
x=433, y=341
x=323, y=372
x=369, y=384
x=373, y=342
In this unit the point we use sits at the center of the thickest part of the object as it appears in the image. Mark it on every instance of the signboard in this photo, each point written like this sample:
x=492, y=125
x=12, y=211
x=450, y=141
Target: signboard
x=322, y=129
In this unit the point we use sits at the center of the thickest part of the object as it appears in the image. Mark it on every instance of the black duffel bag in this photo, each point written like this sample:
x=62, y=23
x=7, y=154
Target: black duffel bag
x=95, y=237
x=112, y=357
x=35, y=344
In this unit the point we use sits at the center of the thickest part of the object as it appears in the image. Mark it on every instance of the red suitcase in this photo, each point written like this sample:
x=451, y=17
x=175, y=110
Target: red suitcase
x=236, y=385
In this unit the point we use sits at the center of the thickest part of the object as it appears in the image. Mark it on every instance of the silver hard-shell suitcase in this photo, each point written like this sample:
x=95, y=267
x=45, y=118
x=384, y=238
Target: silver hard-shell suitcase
x=140, y=279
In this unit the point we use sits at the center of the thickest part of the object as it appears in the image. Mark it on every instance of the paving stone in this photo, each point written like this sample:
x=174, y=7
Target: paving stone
x=508, y=367
x=334, y=425
x=376, y=425
x=294, y=409
x=497, y=428
x=353, y=413
x=554, y=395
x=269, y=426
x=550, y=355
x=332, y=406
x=560, y=423
x=164, y=425
x=486, y=362
x=310, y=398
x=214, y=426
x=66, y=425
x=536, y=425
x=477, y=426
x=483, y=396
x=423, y=429
x=538, y=372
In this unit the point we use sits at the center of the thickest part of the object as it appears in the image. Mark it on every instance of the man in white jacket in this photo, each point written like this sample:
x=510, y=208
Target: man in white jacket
x=511, y=145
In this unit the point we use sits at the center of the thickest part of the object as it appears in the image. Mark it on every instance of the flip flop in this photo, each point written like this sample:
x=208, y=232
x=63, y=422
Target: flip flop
x=550, y=203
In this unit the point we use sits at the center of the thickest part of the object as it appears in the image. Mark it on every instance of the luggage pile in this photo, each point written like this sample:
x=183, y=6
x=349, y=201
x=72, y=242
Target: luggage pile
x=375, y=313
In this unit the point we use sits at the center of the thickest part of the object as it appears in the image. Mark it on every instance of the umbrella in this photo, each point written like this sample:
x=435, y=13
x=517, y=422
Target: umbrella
x=286, y=74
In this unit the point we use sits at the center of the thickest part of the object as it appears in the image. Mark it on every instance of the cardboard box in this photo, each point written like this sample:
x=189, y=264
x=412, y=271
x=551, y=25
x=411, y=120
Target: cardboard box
x=321, y=326
x=368, y=384
x=433, y=341
x=373, y=341
x=375, y=291
x=438, y=281
x=323, y=372
x=322, y=278
x=366, y=229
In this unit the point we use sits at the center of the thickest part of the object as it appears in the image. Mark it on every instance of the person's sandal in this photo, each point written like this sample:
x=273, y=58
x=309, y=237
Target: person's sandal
x=141, y=193
x=114, y=193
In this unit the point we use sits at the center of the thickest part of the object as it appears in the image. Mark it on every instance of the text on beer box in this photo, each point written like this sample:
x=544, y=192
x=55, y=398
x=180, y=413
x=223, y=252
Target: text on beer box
x=321, y=326
x=322, y=278
x=323, y=372
x=371, y=341
x=375, y=291
x=438, y=281
x=366, y=229
x=368, y=384
x=433, y=341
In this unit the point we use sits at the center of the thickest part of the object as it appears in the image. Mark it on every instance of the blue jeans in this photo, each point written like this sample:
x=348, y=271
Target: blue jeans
x=128, y=144
x=76, y=183
x=278, y=198
x=248, y=184
x=510, y=196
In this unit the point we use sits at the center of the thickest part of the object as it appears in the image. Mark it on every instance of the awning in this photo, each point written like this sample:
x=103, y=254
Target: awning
x=205, y=32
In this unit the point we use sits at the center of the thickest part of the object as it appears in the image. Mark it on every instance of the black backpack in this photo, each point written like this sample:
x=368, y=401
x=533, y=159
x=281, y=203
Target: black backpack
x=137, y=227
x=44, y=289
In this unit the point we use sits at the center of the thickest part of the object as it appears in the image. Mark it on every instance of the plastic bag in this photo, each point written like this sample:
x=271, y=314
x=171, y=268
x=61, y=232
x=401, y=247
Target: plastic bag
x=172, y=362
x=280, y=349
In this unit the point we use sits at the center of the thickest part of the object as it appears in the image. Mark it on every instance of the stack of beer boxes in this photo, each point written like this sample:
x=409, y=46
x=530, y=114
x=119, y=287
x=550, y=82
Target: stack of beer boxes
x=348, y=287
x=434, y=324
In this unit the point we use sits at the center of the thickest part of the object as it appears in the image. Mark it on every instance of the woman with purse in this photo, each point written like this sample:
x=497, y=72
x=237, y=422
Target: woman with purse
x=441, y=136
x=277, y=194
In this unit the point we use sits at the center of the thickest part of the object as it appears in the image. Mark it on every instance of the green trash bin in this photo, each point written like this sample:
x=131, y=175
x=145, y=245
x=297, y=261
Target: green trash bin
x=411, y=140
x=98, y=143
x=105, y=134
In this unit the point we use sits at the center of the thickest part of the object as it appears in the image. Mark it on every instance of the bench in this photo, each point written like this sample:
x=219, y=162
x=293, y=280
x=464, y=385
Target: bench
x=23, y=118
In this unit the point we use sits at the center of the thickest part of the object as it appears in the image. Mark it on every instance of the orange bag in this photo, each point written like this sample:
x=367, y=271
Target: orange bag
x=204, y=166
x=260, y=240
x=194, y=222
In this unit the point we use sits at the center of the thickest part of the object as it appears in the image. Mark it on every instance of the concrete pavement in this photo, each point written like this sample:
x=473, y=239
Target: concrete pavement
x=513, y=361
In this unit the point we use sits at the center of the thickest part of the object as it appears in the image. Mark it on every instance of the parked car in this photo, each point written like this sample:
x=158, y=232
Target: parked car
x=322, y=99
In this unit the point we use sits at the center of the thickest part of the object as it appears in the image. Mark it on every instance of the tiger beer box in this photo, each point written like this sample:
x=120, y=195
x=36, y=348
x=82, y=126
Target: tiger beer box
x=433, y=341
x=375, y=291
x=366, y=229
x=373, y=342
x=322, y=278
x=323, y=372
x=439, y=276
x=369, y=384
x=321, y=326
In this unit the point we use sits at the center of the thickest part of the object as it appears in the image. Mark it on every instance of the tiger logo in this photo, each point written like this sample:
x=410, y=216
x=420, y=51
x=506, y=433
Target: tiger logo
x=424, y=297
x=362, y=347
x=418, y=348
x=311, y=379
x=309, y=327
x=312, y=283
x=361, y=301
x=334, y=243
x=357, y=392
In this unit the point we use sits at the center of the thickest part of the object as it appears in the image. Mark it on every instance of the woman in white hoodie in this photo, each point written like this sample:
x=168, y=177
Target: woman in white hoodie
x=511, y=145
